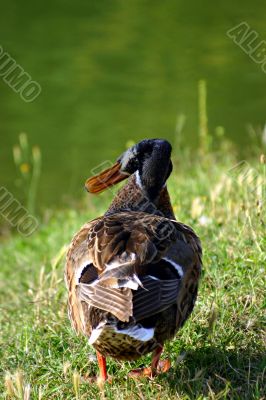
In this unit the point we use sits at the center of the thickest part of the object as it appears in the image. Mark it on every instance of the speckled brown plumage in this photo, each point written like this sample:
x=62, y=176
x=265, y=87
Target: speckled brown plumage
x=139, y=235
x=132, y=275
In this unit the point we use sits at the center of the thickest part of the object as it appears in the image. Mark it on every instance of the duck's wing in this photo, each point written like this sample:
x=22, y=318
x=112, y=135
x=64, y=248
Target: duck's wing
x=107, y=265
x=135, y=238
x=78, y=263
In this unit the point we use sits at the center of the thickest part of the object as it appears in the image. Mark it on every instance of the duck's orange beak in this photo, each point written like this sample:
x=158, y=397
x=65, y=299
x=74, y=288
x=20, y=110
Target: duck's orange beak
x=105, y=179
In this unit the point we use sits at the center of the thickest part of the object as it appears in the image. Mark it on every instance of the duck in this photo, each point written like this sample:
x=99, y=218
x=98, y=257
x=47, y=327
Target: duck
x=132, y=275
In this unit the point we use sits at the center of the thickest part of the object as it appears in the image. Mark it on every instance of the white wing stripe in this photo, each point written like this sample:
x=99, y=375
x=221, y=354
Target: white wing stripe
x=178, y=267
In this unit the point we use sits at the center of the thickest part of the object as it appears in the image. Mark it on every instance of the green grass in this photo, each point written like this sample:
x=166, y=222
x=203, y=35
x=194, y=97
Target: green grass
x=219, y=354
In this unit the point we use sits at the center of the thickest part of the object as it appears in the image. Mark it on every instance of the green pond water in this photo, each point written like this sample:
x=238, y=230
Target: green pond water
x=114, y=71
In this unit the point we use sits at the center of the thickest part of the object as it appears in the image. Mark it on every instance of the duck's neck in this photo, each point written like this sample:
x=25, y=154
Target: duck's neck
x=133, y=197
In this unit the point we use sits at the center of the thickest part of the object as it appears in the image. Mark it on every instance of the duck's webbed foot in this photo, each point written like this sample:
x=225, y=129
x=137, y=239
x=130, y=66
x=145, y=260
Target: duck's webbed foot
x=157, y=366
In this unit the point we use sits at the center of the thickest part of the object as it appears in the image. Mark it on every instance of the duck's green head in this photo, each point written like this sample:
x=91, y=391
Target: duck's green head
x=149, y=159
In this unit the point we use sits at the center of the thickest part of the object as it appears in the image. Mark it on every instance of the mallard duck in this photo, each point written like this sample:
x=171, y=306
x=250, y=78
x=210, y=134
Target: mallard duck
x=132, y=274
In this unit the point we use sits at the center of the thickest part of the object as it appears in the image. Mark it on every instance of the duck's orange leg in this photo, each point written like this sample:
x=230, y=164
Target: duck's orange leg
x=156, y=367
x=156, y=357
x=102, y=366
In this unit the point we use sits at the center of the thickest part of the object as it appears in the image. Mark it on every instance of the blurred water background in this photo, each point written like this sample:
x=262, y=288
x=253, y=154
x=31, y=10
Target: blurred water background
x=113, y=71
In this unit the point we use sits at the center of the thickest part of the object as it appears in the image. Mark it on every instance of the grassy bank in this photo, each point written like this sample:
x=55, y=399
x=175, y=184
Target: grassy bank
x=219, y=352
